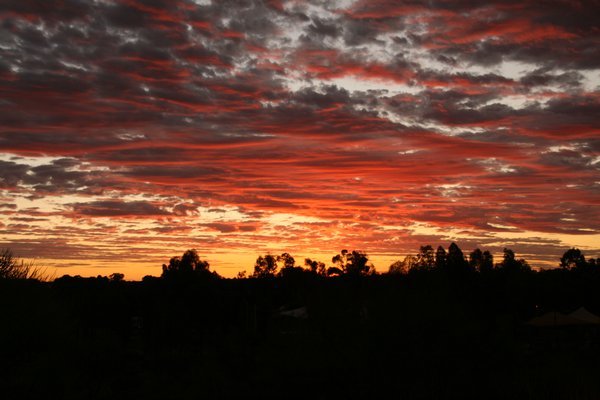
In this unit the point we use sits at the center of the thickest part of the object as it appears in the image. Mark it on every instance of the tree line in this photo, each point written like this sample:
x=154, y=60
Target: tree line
x=346, y=263
x=356, y=263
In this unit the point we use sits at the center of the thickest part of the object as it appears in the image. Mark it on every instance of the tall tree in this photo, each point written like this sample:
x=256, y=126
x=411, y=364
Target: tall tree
x=476, y=259
x=510, y=262
x=487, y=262
x=189, y=264
x=455, y=260
x=316, y=267
x=288, y=267
x=353, y=263
x=265, y=267
x=402, y=267
x=190, y=260
x=572, y=258
x=426, y=257
x=440, y=258
x=287, y=260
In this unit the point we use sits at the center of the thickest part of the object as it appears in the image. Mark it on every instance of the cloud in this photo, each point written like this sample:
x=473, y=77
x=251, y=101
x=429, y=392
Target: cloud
x=298, y=124
x=114, y=208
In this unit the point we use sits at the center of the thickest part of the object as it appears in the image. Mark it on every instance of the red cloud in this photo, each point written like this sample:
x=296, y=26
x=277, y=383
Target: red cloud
x=164, y=111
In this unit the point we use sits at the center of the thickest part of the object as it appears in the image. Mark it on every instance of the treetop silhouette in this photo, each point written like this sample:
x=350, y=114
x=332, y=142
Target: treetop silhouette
x=355, y=263
x=188, y=265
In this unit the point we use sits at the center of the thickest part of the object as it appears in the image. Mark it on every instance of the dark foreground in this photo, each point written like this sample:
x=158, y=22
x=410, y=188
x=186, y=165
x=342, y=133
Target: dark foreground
x=419, y=336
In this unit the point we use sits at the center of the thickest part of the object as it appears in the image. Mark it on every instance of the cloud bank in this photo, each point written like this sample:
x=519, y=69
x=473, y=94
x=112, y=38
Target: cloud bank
x=132, y=130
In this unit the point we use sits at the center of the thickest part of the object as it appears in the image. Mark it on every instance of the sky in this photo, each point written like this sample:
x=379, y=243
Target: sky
x=133, y=130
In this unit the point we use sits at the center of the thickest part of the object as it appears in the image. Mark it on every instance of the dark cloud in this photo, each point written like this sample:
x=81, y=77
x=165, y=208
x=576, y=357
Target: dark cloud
x=61, y=176
x=324, y=97
x=116, y=208
x=185, y=209
x=481, y=119
x=324, y=27
x=222, y=227
x=48, y=11
x=574, y=159
x=191, y=172
x=360, y=32
x=543, y=78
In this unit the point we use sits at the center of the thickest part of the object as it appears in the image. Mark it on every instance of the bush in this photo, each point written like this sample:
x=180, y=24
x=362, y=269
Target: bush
x=12, y=267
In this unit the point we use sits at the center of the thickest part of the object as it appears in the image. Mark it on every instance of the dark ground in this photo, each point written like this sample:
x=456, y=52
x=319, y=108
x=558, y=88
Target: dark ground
x=424, y=335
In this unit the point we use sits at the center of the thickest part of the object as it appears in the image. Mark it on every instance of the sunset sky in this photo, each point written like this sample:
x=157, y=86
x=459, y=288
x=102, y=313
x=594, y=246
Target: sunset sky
x=133, y=130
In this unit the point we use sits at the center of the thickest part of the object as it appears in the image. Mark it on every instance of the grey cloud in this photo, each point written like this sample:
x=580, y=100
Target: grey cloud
x=12, y=173
x=137, y=91
x=324, y=27
x=360, y=32
x=175, y=172
x=68, y=10
x=183, y=209
x=573, y=159
x=542, y=78
x=451, y=114
x=60, y=176
x=222, y=227
x=114, y=208
x=325, y=97
x=125, y=16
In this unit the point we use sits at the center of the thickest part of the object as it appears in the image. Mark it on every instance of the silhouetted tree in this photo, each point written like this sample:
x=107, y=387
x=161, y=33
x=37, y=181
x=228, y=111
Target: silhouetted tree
x=476, y=259
x=397, y=267
x=116, y=277
x=289, y=268
x=287, y=260
x=455, y=259
x=191, y=261
x=355, y=263
x=316, y=267
x=573, y=258
x=487, y=262
x=481, y=261
x=288, y=264
x=403, y=266
x=241, y=275
x=265, y=267
x=189, y=264
x=149, y=279
x=510, y=262
x=426, y=257
x=440, y=258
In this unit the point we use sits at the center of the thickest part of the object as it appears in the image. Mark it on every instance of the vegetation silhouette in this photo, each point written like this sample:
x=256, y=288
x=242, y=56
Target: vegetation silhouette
x=353, y=263
x=188, y=266
x=12, y=267
x=440, y=323
x=265, y=267
x=316, y=267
